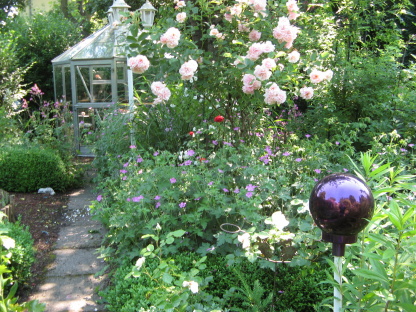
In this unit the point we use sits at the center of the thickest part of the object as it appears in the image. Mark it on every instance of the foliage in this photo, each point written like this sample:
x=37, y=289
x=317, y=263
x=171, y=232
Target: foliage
x=369, y=81
x=22, y=253
x=38, y=45
x=9, y=303
x=47, y=123
x=381, y=262
x=11, y=77
x=26, y=169
x=292, y=287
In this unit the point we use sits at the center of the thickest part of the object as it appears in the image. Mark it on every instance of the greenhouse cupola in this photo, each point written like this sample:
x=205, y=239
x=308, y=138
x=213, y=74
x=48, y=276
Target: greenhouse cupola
x=92, y=75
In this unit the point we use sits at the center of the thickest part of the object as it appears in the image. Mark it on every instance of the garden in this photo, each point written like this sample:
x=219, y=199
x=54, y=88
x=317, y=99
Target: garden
x=204, y=181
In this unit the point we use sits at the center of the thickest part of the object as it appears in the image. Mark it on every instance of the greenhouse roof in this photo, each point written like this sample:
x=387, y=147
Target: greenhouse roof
x=103, y=44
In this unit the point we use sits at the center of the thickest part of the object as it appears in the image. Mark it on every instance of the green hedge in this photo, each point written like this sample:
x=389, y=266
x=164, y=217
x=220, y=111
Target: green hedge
x=26, y=169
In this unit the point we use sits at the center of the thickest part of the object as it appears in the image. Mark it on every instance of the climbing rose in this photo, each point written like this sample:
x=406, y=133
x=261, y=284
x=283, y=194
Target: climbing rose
x=284, y=32
x=292, y=5
x=161, y=91
x=254, y=35
x=181, y=17
x=219, y=118
x=306, y=93
x=269, y=63
x=250, y=84
x=171, y=37
x=317, y=76
x=274, y=95
x=138, y=64
x=293, y=56
x=262, y=72
x=188, y=69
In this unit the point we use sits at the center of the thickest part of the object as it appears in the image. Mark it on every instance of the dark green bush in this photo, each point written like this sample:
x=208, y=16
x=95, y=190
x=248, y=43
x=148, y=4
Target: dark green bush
x=37, y=45
x=26, y=169
x=23, y=254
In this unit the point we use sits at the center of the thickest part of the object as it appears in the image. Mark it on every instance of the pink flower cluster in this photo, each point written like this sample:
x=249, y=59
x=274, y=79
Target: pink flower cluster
x=161, y=91
x=138, y=64
x=258, y=48
x=171, y=37
x=250, y=84
x=318, y=76
x=188, y=69
x=284, y=32
x=274, y=95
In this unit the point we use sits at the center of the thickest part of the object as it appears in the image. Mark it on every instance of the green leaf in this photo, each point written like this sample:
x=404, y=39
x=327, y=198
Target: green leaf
x=167, y=278
x=178, y=233
x=150, y=247
x=169, y=240
x=372, y=275
x=395, y=215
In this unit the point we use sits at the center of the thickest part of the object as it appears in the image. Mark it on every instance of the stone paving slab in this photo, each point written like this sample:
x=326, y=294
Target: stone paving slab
x=71, y=262
x=80, y=236
x=74, y=294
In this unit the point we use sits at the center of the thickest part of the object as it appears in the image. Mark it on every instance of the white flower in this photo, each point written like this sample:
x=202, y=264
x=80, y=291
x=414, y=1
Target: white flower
x=278, y=220
x=193, y=286
x=140, y=262
x=245, y=240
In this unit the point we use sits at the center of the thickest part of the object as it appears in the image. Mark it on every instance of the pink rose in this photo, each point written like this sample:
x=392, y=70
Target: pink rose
x=171, y=37
x=258, y=5
x=243, y=28
x=269, y=63
x=254, y=35
x=274, y=95
x=255, y=51
x=291, y=5
x=181, y=17
x=188, y=69
x=262, y=72
x=138, y=64
x=317, y=76
x=293, y=15
x=306, y=93
x=293, y=56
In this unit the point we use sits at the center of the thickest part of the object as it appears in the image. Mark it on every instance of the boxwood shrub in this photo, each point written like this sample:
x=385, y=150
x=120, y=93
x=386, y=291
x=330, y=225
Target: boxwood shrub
x=26, y=169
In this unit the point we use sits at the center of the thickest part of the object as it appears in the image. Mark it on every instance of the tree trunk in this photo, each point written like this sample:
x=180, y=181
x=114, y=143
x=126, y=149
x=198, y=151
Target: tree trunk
x=64, y=7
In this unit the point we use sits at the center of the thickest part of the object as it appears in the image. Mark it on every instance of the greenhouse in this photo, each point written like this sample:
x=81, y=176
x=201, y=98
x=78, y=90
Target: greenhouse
x=92, y=75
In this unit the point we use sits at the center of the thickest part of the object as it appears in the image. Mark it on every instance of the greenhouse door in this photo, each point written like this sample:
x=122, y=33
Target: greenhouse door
x=95, y=89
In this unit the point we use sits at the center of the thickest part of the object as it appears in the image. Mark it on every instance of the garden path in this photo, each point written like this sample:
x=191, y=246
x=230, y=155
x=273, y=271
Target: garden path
x=70, y=284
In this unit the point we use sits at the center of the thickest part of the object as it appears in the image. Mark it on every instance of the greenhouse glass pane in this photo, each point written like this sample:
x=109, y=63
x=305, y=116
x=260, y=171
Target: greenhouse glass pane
x=83, y=84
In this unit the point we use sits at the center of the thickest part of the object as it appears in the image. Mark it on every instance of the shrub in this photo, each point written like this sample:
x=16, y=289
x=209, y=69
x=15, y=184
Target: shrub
x=294, y=288
x=26, y=169
x=23, y=254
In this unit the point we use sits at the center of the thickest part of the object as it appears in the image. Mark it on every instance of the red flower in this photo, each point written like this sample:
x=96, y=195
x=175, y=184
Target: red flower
x=191, y=133
x=219, y=118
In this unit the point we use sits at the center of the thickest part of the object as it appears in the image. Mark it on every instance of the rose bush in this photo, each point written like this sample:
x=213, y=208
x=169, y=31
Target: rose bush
x=228, y=60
